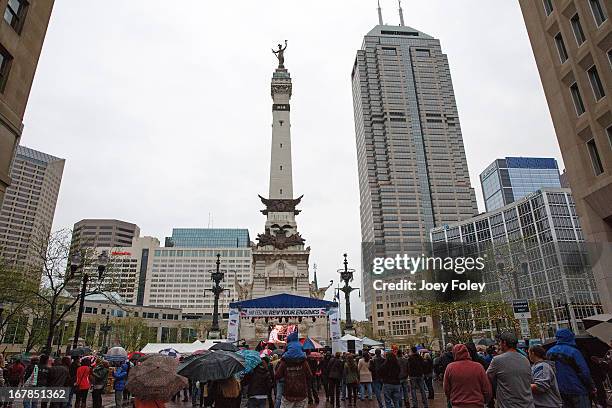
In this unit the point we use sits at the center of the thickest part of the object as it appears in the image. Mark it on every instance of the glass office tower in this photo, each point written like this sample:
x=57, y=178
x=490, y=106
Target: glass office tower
x=507, y=180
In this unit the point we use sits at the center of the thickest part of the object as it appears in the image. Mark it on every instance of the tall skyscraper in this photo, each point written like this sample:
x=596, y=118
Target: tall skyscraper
x=413, y=173
x=29, y=205
x=572, y=49
x=507, y=180
x=22, y=32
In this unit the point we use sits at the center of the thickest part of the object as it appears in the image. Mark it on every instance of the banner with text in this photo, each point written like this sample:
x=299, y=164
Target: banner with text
x=232, y=325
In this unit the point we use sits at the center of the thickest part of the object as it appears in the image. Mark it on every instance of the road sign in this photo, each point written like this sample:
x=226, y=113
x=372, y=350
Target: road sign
x=521, y=309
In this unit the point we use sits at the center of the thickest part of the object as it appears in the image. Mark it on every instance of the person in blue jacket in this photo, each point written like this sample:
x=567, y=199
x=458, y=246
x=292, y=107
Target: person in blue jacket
x=573, y=375
x=120, y=376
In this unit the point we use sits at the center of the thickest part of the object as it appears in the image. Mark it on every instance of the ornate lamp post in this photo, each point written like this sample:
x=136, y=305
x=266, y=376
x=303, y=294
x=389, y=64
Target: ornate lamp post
x=346, y=275
x=217, y=276
x=75, y=263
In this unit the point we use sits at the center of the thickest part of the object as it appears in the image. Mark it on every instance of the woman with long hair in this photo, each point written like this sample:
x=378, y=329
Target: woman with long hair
x=365, y=376
x=351, y=378
x=390, y=376
x=82, y=383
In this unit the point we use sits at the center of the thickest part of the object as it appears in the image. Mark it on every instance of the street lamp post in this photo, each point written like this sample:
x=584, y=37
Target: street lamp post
x=346, y=275
x=217, y=276
x=75, y=263
x=105, y=329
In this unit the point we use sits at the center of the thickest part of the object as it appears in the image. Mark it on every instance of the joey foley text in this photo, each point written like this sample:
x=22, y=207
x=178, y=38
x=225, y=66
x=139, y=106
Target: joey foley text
x=411, y=265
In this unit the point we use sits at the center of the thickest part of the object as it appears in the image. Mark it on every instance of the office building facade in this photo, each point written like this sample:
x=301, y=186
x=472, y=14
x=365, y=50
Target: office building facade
x=512, y=178
x=27, y=212
x=91, y=233
x=571, y=42
x=538, y=243
x=22, y=33
x=209, y=237
x=413, y=173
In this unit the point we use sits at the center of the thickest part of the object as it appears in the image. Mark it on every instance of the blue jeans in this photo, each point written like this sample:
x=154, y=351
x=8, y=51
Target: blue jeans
x=418, y=383
x=363, y=387
x=30, y=404
x=280, y=387
x=576, y=401
x=393, y=395
x=257, y=403
x=405, y=390
x=377, y=387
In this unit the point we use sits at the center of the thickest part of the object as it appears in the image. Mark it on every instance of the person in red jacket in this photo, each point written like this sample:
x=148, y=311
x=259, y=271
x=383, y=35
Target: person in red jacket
x=466, y=384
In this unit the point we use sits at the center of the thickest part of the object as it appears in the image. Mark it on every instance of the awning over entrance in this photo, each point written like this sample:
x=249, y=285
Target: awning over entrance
x=283, y=305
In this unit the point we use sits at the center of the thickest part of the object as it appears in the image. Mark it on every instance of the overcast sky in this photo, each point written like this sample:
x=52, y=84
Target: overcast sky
x=162, y=109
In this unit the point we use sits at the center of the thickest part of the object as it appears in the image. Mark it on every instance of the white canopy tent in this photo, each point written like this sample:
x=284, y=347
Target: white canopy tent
x=183, y=348
x=344, y=342
x=368, y=342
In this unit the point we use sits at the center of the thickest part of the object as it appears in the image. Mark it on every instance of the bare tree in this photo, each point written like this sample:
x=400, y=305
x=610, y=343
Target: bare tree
x=51, y=252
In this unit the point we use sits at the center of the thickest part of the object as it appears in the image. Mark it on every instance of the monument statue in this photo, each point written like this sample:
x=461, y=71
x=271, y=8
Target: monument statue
x=280, y=54
x=319, y=293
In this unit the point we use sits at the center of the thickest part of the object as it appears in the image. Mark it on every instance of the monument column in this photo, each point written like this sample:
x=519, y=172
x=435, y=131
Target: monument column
x=281, y=178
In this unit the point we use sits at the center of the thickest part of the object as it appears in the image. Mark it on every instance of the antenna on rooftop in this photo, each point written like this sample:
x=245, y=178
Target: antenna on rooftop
x=380, y=20
x=401, y=13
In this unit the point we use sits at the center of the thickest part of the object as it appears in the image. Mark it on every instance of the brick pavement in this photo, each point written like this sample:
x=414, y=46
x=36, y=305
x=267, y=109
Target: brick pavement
x=108, y=401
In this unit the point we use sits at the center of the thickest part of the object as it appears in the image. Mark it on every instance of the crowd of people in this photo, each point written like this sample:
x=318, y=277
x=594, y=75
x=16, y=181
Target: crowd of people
x=502, y=376
x=79, y=375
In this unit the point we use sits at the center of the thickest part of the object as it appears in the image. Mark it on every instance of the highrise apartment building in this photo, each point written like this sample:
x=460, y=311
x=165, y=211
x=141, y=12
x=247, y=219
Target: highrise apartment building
x=413, y=173
x=512, y=178
x=539, y=255
x=22, y=32
x=28, y=208
x=208, y=237
x=571, y=41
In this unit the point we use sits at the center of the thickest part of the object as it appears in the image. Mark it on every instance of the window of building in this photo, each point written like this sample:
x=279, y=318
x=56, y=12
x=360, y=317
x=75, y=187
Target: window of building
x=577, y=98
x=599, y=13
x=577, y=27
x=548, y=6
x=595, y=159
x=596, y=84
x=609, y=132
x=561, y=48
x=15, y=12
x=5, y=67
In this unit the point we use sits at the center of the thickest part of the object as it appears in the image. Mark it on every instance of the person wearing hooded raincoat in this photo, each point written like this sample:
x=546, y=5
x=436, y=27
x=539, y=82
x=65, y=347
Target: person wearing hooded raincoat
x=573, y=375
x=296, y=373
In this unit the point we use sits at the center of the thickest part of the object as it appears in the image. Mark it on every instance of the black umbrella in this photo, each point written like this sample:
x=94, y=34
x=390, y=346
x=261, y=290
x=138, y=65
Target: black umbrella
x=224, y=346
x=597, y=319
x=589, y=345
x=80, y=351
x=211, y=366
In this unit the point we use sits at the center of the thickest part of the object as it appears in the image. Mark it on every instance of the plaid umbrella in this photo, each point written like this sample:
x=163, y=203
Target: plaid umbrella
x=251, y=359
x=170, y=352
x=155, y=379
x=211, y=365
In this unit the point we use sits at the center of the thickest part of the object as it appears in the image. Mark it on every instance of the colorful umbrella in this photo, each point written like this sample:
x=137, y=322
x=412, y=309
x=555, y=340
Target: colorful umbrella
x=135, y=356
x=310, y=344
x=170, y=352
x=251, y=360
